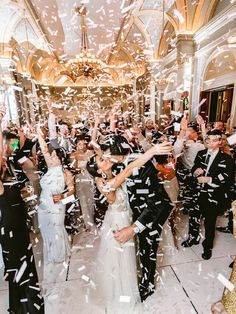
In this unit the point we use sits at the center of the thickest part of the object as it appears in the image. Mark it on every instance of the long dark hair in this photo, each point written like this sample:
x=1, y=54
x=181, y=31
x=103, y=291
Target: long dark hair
x=92, y=167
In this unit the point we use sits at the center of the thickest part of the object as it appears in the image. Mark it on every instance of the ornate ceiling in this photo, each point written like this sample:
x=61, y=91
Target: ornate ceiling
x=125, y=34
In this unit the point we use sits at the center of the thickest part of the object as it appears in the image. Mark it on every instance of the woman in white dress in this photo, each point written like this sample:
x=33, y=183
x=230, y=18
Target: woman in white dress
x=51, y=211
x=115, y=271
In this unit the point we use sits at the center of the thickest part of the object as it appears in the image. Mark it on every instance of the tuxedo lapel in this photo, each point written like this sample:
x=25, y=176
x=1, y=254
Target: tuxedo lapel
x=215, y=164
x=202, y=160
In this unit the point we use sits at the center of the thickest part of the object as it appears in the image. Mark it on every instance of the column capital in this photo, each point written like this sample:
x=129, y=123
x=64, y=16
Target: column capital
x=184, y=37
x=6, y=74
x=185, y=46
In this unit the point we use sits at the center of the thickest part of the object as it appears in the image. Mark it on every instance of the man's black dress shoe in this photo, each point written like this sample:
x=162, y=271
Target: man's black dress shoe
x=223, y=229
x=189, y=242
x=207, y=254
x=145, y=294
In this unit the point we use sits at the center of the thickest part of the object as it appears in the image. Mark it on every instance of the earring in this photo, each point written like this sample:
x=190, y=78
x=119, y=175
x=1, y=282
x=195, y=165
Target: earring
x=104, y=176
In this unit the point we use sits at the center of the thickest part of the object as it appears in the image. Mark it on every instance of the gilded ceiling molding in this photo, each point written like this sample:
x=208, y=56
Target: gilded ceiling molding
x=163, y=44
x=195, y=15
x=141, y=27
x=173, y=21
x=198, y=15
x=210, y=11
x=181, y=6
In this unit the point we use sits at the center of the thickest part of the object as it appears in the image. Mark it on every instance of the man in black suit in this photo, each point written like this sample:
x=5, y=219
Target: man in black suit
x=150, y=206
x=212, y=175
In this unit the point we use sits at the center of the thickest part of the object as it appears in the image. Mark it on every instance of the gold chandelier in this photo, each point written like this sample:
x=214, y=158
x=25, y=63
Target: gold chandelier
x=85, y=64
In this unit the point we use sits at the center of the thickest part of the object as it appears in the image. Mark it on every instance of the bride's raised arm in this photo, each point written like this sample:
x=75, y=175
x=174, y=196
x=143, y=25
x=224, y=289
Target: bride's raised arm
x=164, y=148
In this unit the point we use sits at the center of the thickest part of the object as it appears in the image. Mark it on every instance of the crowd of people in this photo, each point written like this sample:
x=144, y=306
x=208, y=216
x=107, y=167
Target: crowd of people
x=126, y=179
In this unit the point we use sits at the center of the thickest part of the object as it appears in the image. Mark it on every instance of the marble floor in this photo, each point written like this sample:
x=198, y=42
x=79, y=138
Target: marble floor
x=186, y=284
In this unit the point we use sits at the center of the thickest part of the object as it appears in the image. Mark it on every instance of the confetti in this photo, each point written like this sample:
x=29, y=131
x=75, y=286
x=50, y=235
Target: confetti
x=226, y=282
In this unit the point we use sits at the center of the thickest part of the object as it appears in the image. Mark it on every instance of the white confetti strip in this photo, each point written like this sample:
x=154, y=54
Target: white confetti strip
x=226, y=282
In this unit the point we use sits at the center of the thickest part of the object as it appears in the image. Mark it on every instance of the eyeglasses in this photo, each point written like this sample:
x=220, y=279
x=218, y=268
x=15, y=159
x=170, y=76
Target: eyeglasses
x=215, y=140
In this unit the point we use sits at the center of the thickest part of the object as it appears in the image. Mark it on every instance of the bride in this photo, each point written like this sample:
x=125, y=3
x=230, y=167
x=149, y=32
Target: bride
x=116, y=274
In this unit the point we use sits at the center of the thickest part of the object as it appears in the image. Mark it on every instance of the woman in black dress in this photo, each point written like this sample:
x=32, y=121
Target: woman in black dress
x=20, y=270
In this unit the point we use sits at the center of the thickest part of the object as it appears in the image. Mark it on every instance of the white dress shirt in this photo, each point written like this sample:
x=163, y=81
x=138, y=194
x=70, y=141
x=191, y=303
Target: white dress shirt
x=212, y=157
x=189, y=151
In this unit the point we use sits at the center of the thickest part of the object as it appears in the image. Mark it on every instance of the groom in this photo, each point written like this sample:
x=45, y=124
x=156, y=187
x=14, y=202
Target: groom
x=150, y=207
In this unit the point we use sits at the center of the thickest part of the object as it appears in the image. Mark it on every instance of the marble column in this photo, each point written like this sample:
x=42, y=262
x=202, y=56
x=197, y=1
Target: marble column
x=185, y=57
x=7, y=94
x=199, y=64
x=135, y=98
x=233, y=110
x=153, y=100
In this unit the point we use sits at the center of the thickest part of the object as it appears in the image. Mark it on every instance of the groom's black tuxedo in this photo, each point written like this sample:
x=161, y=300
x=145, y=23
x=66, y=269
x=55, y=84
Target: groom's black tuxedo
x=151, y=207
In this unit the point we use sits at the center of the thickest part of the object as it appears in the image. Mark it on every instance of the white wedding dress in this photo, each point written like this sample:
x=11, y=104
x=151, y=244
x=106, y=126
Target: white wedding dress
x=115, y=273
x=51, y=216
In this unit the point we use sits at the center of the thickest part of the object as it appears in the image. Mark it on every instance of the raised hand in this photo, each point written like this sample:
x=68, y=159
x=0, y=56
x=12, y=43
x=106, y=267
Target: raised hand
x=116, y=107
x=49, y=105
x=199, y=120
x=164, y=148
x=184, y=124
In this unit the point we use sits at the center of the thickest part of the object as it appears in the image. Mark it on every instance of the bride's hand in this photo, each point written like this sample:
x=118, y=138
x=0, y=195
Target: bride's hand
x=164, y=148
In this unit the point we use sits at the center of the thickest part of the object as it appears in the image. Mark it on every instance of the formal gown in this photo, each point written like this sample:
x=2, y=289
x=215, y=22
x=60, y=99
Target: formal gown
x=115, y=273
x=229, y=297
x=18, y=258
x=85, y=192
x=51, y=217
x=168, y=246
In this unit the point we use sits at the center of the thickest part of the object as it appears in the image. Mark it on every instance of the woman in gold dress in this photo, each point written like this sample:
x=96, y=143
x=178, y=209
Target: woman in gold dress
x=228, y=301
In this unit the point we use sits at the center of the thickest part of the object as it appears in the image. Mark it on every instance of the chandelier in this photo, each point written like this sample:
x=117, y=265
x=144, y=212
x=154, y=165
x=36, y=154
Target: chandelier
x=85, y=64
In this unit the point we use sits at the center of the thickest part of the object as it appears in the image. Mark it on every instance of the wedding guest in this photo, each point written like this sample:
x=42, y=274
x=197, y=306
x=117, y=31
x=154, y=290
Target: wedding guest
x=51, y=210
x=228, y=301
x=84, y=182
x=212, y=175
x=20, y=270
x=186, y=148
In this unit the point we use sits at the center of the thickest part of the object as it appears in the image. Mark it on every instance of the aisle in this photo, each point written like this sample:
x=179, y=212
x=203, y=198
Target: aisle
x=187, y=284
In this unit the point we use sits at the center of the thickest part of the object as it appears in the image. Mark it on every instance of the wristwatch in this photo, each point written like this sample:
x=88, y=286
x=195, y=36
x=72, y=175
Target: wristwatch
x=135, y=228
